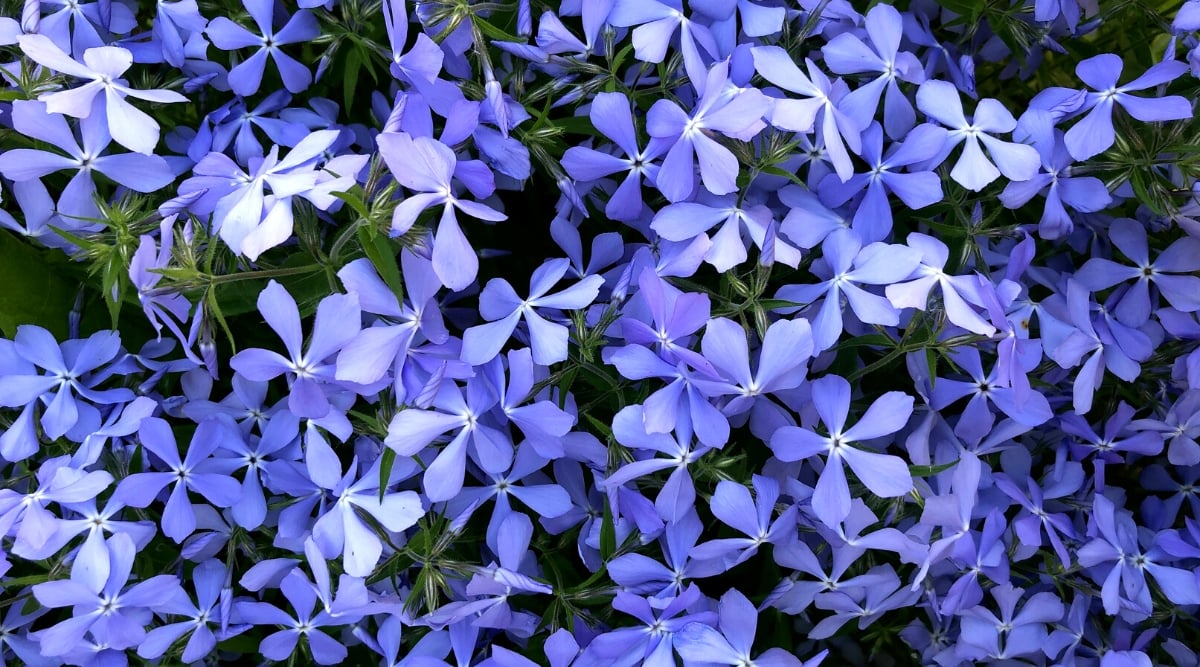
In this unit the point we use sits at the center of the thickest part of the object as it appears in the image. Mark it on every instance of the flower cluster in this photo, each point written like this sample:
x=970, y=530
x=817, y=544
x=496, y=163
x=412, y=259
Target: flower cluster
x=633, y=332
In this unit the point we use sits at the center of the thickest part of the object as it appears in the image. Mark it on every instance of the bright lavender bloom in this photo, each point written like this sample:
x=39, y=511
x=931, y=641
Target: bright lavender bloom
x=656, y=23
x=197, y=472
x=847, y=54
x=499, y=303
x=1094, y=133
x=684, y=221
x=280, y=645
x=15, y=637
x=235, y=122
x=1181, y=427
x=57, y=482
x=1036, y=517
x=351, y=601
x=734, y=112
x=39, y=215
x=341, y=530
x=1178, y=483
x=76, y=27
x=732, y=505
x=1011, y=634
x=611, y=116
x=847, y=262
x=678, y=494
x=956, y=291
x=67, y=373
x=950, y=511
x=84, y=517
x=251, y=508
x=247, y=221
x=337, y=322
x=873, y=216
x=560, y=648
x=385, y=346
x=868, y=604
x=208, y=579
x=101, y=605
x=1085, y=194
x=1096, y=337
x=675, y=315
x=427, y=166
x=246, y=77
x=1116, y=559
x=783, y=359
x=422, y=63
x=510, y=574
x=104, y=66
x=884, y=475
x=700, y=643
x=174, y=23
x=670, y=575
x=985, y=389
x=797, y=592
x=683, y=405
x=940, y=101
x=1119, y=437
x=539, y=419
x=412, y=430
x=824, y=98
x=142, y=173
x=652, y=641
x=1172, y=272
x=548, y=501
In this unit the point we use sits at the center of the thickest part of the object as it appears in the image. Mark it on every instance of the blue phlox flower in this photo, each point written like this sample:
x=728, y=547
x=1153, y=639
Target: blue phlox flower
x=69, y=369
x=846, y=262
x=337, y=322
x=499, y=303
x=1012, y=633
x=884, y=475
x=103, y=66
x=848, y=54
x=730, y=643
x=1172, y=273
x=823, y=104
x=102, y=605
x=246, y=77
x=305, y=624
x=722, y=108
x=1017, y=162
x=198, y=472
x=412, y=430
x=652, y=642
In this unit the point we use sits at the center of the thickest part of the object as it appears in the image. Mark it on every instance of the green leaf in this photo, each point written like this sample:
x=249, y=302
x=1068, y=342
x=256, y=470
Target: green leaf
x=38, y=288
x=872, y=340
x=931, y=361
x=493, y=32
x=600, y=426
x=619, y=59
x=386, y=461
x=608, y=533
x=929, y=471
x=354, y=63
x=775, y=304
x=969, y=9
x=381, y=253
x=776, y=171
x=353, y=199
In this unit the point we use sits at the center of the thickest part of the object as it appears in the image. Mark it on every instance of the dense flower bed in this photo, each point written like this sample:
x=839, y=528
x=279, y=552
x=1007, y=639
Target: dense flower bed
x=600, y=332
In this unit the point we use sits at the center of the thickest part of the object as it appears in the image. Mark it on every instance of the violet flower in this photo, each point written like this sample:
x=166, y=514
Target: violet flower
x=884, y=475
x=103, y=65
